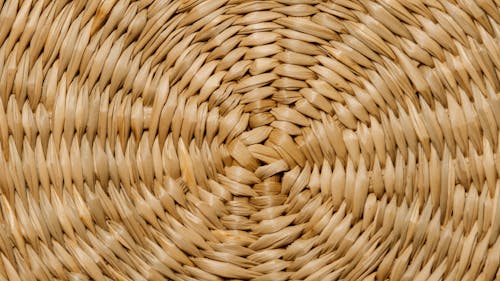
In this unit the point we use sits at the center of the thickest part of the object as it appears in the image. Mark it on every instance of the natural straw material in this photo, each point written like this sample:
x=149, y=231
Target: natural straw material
x=262, y=140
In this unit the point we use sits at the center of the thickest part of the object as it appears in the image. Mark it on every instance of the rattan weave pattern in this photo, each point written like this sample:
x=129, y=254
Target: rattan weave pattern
x=249, y=140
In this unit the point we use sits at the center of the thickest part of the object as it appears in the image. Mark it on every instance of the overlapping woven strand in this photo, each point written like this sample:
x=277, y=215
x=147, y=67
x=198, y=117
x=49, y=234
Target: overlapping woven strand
x=249, y=140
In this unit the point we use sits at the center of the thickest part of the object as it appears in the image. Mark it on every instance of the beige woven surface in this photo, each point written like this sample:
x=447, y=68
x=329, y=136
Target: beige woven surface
x=262, y=140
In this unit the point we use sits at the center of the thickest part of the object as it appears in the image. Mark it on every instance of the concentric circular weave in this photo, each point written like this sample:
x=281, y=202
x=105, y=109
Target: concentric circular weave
x=249, y=140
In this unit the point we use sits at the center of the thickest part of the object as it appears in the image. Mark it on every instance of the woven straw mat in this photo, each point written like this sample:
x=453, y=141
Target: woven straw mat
x=249, y=140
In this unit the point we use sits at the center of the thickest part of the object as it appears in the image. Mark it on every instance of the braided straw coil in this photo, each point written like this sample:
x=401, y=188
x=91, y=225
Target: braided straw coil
x=249, y=140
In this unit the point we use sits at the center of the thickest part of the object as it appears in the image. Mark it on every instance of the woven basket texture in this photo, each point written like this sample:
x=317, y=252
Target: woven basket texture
x=249, y=140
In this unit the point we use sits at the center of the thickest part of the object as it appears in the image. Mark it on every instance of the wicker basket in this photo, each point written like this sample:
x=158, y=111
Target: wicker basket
x=249, y=140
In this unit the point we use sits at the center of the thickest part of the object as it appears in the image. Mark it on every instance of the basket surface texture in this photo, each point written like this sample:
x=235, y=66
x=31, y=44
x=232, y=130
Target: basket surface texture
x=249, y=140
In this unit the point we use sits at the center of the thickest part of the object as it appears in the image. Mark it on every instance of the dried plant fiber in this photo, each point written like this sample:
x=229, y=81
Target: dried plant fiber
x=249, y=140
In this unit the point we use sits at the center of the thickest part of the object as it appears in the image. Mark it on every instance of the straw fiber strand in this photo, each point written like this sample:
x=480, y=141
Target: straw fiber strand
x=249, y=140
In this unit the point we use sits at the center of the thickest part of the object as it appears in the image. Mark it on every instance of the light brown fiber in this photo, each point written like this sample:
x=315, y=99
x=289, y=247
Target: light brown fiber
x=260, y=140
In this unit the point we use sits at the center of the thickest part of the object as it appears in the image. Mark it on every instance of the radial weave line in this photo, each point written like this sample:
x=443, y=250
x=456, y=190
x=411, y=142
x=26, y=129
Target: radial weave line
x=249, y=140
